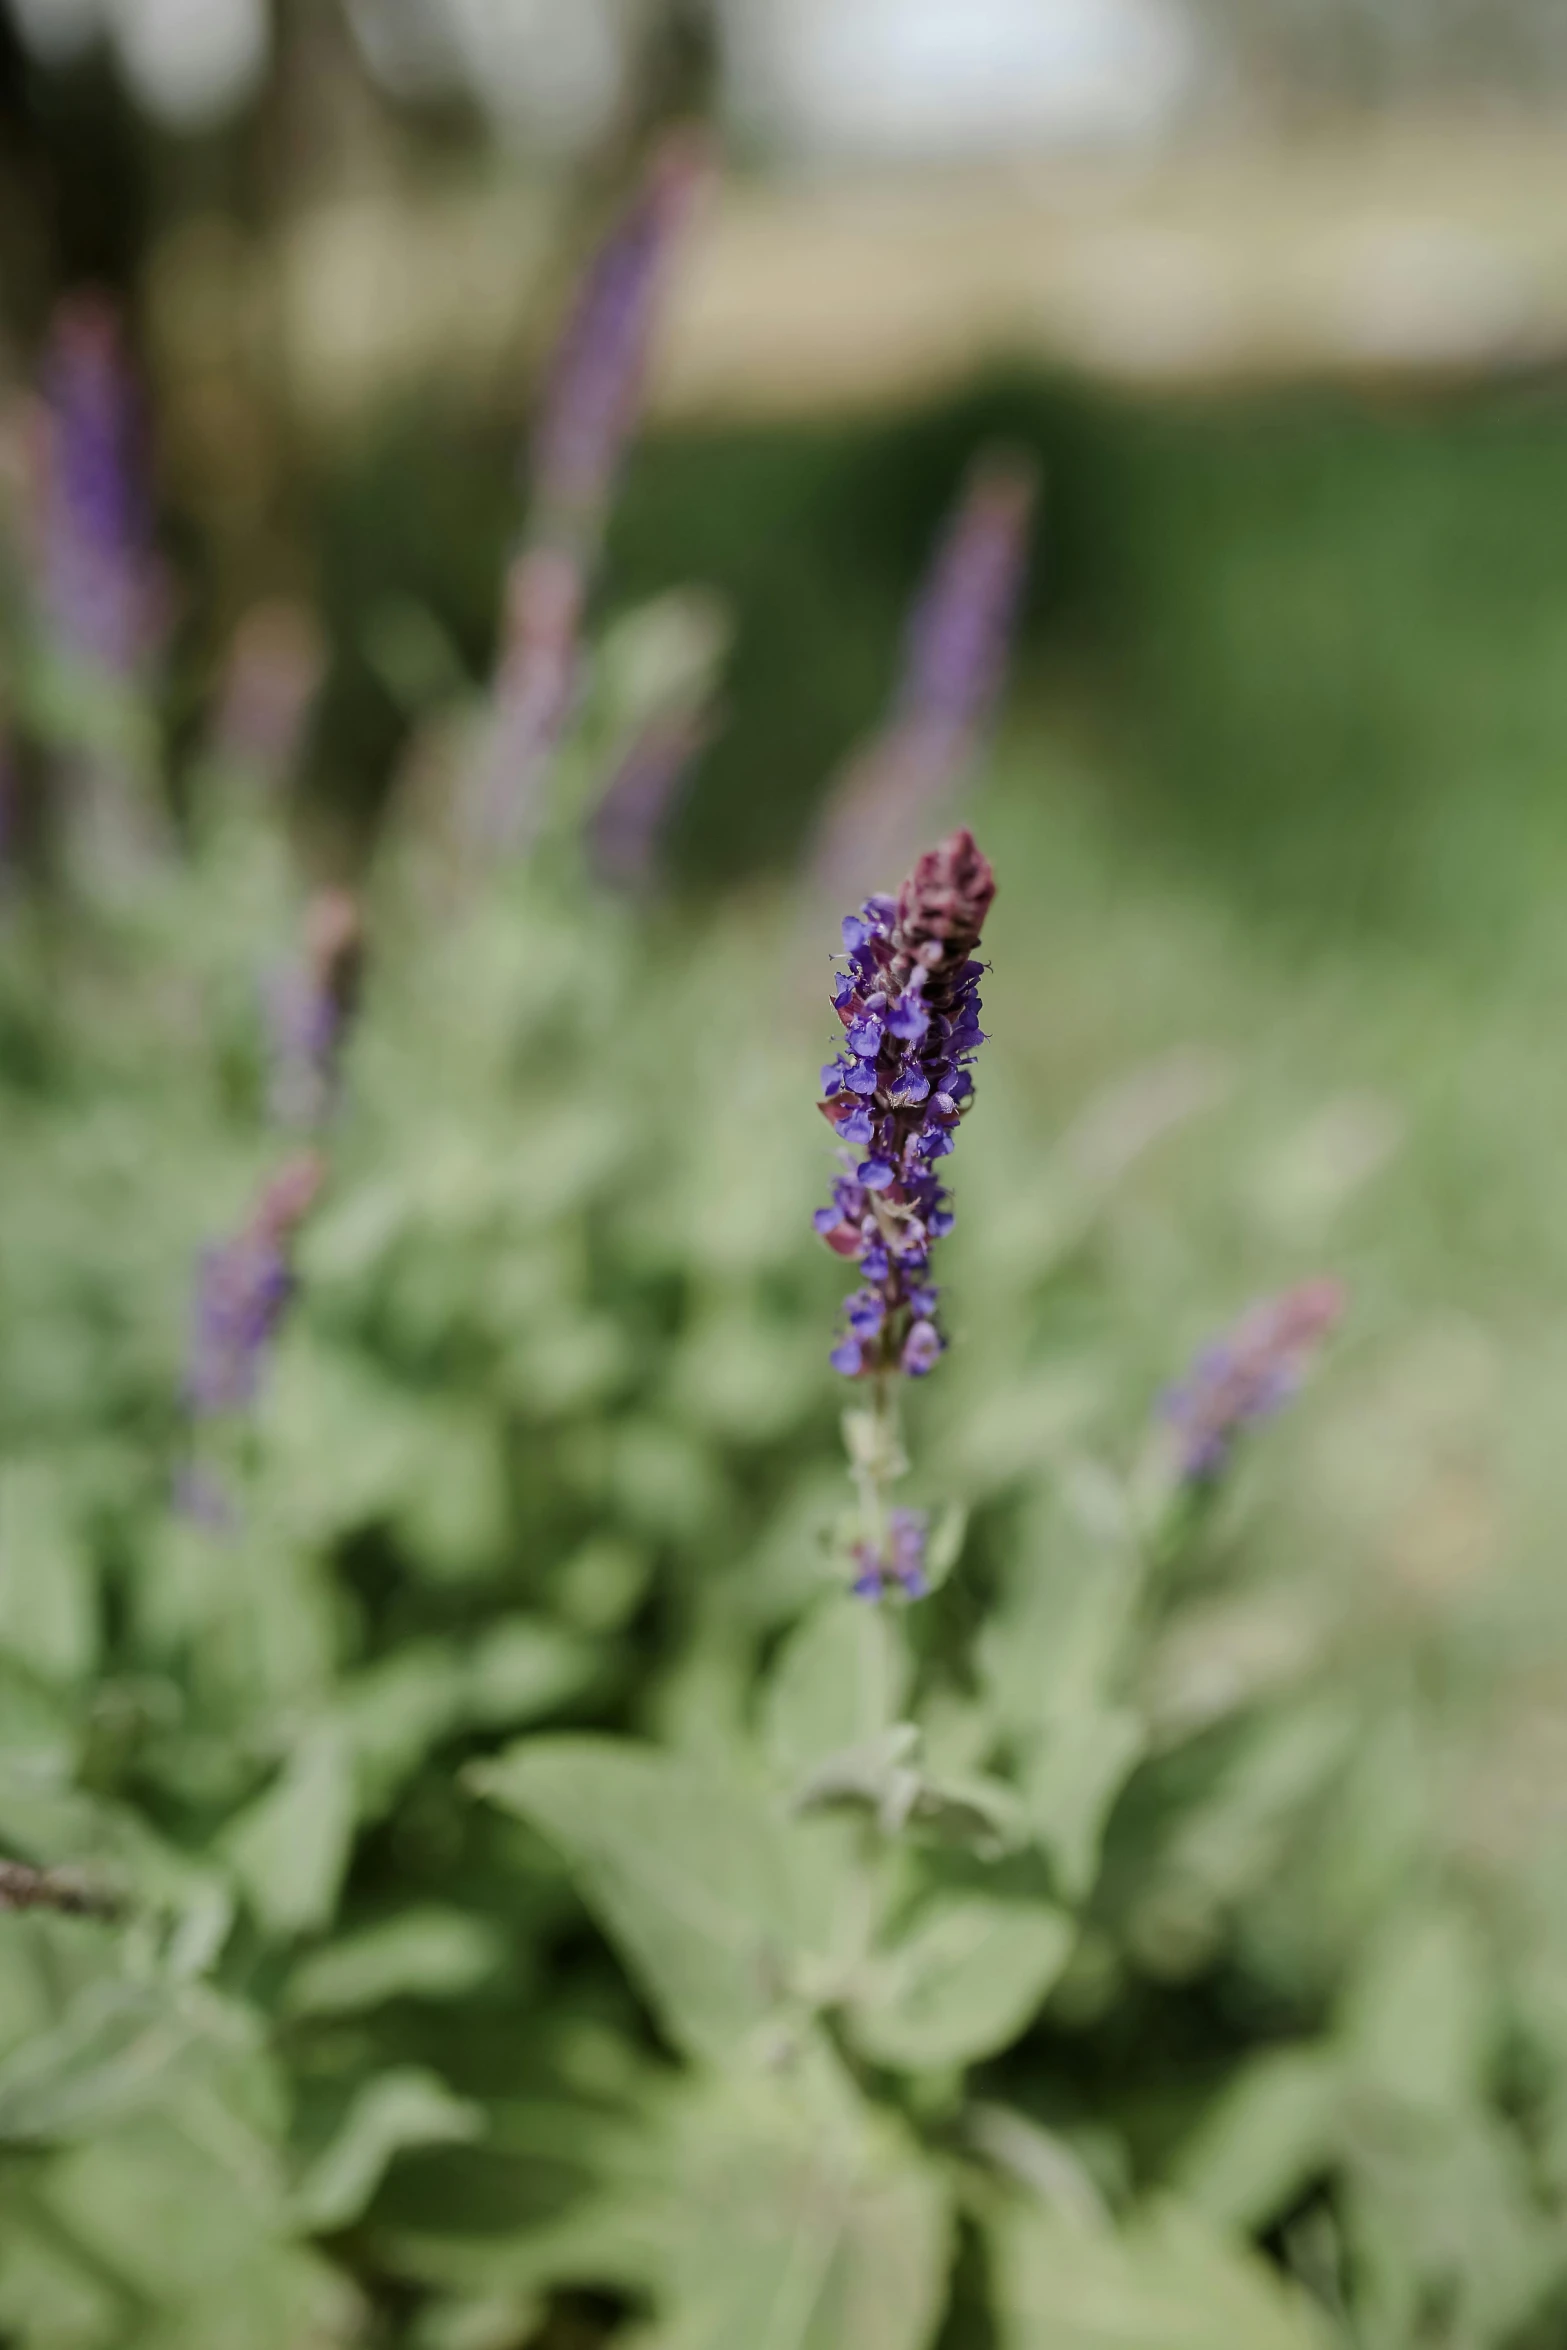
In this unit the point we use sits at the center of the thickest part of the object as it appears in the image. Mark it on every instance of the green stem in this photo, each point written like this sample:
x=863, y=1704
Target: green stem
x=876, y=1458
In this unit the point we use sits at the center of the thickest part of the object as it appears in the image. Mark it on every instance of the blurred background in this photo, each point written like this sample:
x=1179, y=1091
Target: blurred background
x=1275, y=296
x=1276, y=293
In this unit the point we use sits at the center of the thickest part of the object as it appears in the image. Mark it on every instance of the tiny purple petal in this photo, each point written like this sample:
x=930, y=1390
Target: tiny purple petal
x=921, y=1349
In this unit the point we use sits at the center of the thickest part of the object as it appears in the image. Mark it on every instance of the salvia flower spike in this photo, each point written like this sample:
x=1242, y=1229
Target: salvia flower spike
x=955, y=661
x=309, y=1008
x=1248, y=1375
x=98, y=578
x=242, y=1289
x=895, y=1095
x=590, y=407
x=594, y=388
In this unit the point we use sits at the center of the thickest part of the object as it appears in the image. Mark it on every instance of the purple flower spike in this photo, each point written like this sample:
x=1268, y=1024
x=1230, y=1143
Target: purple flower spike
x=591, y=402
x=100, y=584
x=1249, y=1374
x=629, y=821
x=955, y=660
x=914, y=953
x=309, y=1009
x=594, y=390
x=242, y=1288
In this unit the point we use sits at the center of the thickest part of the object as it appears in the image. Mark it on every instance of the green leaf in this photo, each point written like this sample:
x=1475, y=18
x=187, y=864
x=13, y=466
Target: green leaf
x=774, y=2211
x=962, y=1984
x=453, y=1512
x=458, y=2322
x=796, y=2236
x=1070, y=1782
x=110, y=2054
x=686, y=1871
x=525, y=1666
x=1274, y=2128
x=838, y=1682
x=418, y=1954
x=1418, y=2024
x=290, y=1848
x=1167, y=2282
x=396, y=1710
x=395, y=2111
x=48, y=1590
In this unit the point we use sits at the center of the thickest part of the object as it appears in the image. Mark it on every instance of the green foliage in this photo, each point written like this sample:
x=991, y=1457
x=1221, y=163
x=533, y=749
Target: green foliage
x=549, y=1909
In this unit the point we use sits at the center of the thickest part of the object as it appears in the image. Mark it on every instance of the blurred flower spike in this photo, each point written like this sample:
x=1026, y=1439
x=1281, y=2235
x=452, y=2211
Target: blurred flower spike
x=1249, y=1374
x=955, y=663
x=242, y=1289
x=909, y=1003
x=309, y=1008
x=99, y=584
x=593, y=393
x=589, y=409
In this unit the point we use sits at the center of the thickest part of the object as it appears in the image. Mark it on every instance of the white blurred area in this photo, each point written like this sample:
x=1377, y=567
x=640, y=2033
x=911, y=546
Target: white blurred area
x=888, y=79
x=907, y=78
x=188, y=62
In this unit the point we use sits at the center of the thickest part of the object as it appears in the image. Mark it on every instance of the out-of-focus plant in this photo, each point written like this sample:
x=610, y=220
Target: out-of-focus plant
x=474, y=1873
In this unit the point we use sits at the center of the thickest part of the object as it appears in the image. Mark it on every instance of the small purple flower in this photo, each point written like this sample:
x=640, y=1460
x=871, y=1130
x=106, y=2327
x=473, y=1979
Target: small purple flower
x=308, y=1010
x=955, y=659
x=242, y=1287
x=915, y=956
x=899, y=1563
x=99, y=581
x=624, y=832
x=1249, y=1374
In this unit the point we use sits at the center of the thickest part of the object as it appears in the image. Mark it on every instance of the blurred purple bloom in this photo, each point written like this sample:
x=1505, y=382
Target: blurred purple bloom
x=955, y=658
x=242, y=1287
x=959, y=636
x=626, y=826
x=99, y=581
x=308, y=1009
x=1249, y=1374
x=594, y=388
x=900, y=1562
x=909, y=1004
x=591, y=401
